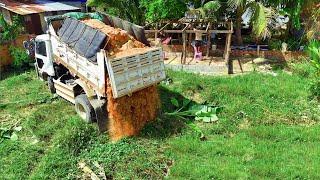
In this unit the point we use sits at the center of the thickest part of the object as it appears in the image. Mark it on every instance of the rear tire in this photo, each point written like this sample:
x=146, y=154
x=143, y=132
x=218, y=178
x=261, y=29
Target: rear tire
x=84, y=109
x=51, y=87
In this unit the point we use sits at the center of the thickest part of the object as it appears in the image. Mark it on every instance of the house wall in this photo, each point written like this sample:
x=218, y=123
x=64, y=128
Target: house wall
x=5, y=57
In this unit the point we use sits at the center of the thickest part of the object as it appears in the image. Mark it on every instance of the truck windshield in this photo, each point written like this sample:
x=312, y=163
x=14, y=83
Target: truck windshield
x=41, y=48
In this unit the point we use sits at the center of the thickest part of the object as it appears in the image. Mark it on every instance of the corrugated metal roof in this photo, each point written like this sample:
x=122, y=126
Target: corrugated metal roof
x=35, y=6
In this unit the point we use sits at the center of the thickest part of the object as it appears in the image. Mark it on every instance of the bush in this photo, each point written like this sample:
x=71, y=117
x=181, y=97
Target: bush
x=275, y=44
x=20, y=57
x=315, y=89
x=314, y=53
x=10, y=32
x=303, y=69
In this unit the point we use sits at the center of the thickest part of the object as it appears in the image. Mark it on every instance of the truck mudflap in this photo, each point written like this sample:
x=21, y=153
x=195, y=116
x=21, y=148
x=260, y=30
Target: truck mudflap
x=133, y=73
x=99, y=107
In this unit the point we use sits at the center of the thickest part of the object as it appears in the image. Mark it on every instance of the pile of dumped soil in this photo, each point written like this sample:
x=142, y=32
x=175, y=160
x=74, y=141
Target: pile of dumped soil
x=119, y=40
x=128, y=114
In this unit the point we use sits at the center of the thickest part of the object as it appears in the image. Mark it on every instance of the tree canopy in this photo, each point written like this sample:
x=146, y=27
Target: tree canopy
x=157, y=10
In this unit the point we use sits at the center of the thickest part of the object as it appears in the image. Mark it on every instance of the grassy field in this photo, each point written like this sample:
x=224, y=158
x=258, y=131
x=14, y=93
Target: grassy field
x=268, y=128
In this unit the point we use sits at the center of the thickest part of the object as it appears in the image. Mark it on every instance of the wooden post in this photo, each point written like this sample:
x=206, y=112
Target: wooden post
x=190, y=38
x=208, y=44
x=156, y=33
x=184, y=38
x=225, y=48
x=184, y=53
x=227, y=54
x=208, y=39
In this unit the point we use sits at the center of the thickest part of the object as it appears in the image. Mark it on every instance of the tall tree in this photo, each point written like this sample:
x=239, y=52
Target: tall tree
x=261, y=17
x=298, y=11
x=130, y=10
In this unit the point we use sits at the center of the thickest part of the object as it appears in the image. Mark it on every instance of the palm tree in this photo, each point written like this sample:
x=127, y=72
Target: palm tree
x=260, y=16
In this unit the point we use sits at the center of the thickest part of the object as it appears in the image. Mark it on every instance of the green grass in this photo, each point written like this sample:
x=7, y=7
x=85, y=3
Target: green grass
x=268, y=128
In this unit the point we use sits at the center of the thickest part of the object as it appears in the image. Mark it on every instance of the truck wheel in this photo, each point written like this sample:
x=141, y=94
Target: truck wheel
x=84, y=109
x=51, y=87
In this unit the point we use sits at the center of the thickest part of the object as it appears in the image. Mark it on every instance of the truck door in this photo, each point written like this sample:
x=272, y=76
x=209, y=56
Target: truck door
x=43, y=59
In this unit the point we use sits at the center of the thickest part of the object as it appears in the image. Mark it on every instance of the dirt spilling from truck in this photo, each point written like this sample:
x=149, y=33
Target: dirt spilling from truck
x=128, y=114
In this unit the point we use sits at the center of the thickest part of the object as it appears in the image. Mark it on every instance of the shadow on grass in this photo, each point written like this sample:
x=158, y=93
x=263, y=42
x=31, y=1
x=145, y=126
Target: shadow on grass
x=10, y=71
x=275, y=64
x=164, y=126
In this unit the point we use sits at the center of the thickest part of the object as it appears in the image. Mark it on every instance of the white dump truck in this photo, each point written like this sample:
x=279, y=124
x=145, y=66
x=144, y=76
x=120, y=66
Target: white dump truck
x=73, y=60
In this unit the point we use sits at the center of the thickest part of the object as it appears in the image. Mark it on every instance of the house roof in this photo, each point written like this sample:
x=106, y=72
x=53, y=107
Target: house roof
x=35, y=6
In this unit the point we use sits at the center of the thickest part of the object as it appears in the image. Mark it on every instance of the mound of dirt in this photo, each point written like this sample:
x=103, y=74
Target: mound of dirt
x=119, y=40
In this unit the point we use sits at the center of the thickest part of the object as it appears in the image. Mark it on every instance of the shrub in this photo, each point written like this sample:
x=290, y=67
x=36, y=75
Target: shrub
x=10, y=32
x=275, y=44
x=314, y=53
x=20, y=57
x=303, y=69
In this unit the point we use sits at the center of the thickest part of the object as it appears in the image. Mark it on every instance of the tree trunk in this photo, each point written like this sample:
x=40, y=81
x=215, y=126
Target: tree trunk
x=239, y=27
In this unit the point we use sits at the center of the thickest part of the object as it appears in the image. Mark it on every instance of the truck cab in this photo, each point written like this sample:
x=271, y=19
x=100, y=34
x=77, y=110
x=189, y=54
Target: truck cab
x=43, y=56
x=64, y=83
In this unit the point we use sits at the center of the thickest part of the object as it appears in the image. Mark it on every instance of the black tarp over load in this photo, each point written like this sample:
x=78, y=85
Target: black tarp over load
x=82, y=38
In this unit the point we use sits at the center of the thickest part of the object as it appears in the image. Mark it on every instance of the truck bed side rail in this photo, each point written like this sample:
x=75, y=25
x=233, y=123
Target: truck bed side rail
x=133, y=73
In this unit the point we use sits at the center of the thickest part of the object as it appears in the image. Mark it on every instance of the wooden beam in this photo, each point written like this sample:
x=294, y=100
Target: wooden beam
x=163, y=27
x=190, y=31
x=208, y=26
x=185, y=28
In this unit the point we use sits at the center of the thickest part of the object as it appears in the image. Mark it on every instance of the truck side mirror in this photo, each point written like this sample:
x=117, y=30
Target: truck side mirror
x=26, y=44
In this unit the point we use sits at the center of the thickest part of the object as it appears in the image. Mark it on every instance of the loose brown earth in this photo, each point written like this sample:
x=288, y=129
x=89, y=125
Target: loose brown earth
x=119, y=40
x=129, y=114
